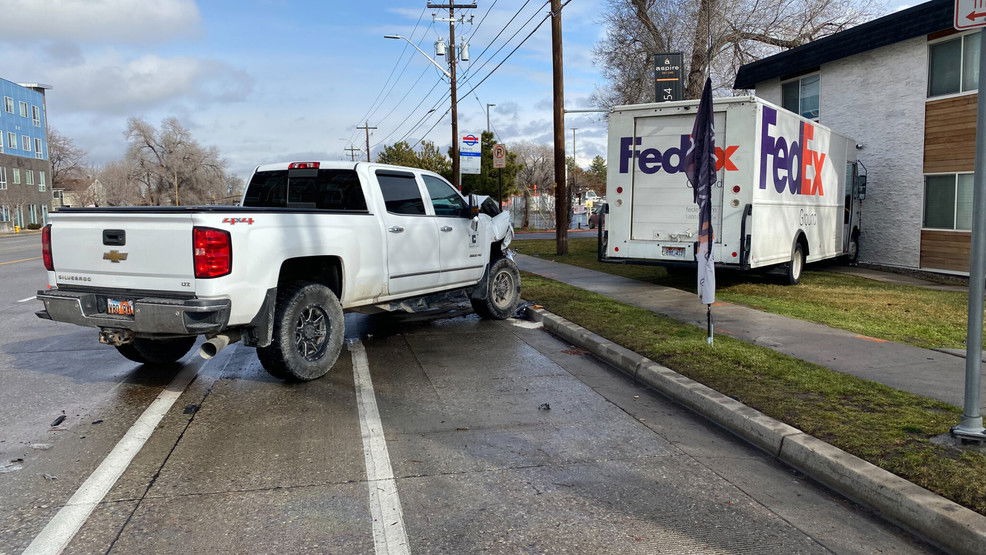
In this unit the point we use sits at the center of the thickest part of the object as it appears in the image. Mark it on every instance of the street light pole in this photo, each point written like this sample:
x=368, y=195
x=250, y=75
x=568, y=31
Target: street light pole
x=971, y=425
x=488, y=116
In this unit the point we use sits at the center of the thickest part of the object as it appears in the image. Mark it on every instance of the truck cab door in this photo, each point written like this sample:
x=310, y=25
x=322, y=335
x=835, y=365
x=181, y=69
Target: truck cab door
x=413, y=262
x=461, y=248
x=853, y=196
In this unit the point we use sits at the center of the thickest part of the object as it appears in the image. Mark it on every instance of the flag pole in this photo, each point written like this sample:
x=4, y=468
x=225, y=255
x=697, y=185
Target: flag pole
x=708, y=323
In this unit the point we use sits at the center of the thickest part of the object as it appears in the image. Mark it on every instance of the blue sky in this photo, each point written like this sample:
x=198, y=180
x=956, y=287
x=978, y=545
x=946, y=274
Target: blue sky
x=276, y=80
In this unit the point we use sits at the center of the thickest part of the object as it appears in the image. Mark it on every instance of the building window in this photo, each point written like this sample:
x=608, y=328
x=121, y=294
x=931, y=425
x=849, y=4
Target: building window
x=948, y=201
x=38, y=151
x=33, y=212
x=4, y=214
x=26, y=142
x=12, y=140
x=953, y=65
x=42, y=182
x=36, y=115
x=801, y=96
x=44, y=213
x=29, y=177
x=3, y=178
x=17, y=176
x=23, y=107
x=8, y=105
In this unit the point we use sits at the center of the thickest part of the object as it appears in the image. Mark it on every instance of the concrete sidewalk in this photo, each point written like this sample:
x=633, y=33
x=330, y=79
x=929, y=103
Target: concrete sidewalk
x=924, y=372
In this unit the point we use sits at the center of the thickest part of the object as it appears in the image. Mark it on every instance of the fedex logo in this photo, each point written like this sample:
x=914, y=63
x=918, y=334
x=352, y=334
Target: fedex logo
x=672, y=160
x=790, y=160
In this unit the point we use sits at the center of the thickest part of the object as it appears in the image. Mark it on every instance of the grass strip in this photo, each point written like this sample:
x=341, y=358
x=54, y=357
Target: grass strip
x=906, y=314
x=885, y=426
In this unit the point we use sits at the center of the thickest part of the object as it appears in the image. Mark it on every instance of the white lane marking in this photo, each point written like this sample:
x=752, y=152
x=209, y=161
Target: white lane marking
x=57, y=534
x=31, y=298
x=389, y=535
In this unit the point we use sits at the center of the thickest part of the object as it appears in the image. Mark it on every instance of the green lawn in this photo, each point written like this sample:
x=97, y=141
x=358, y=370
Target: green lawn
x=885, y=426
x=902, y=313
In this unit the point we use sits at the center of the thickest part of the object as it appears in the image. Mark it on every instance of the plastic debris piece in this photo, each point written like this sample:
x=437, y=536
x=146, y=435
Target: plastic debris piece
x=49, y=477
x=191, y=409
x=41, y=446
x=59, y=420
x=9, y=467
x=462, y=428
x=100, y=421
x=544, y=406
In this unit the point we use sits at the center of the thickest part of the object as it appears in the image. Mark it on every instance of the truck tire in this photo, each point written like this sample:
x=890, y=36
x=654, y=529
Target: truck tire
x=797, y=264
x=502, y=292
x=309, y=328
x=156, y=352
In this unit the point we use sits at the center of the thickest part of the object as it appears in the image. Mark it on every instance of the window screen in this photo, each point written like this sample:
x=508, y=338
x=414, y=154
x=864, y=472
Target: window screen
x=401, y=193
x=444, y=199
x=939, y=201
x=944, y=71
x=318, y=189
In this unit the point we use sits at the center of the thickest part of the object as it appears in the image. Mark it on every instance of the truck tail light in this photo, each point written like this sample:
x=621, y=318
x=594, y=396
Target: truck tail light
x=46, y=248
x=303, y=166
x=212, y=250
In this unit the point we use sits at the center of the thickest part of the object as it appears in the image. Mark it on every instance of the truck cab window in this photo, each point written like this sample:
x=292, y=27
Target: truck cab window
x=445, y=200
x=318, y=189
x=401, y=193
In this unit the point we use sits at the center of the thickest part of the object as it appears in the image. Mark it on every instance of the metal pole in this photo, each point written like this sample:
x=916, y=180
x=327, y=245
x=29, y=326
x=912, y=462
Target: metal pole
x=456, y=168
x=558, y=86
x=367, y=129
x=499, y=194
x=971, y=425
x=488, y=117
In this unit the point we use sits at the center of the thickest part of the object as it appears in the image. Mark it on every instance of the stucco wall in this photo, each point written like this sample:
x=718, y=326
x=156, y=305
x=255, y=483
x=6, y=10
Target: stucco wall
x=878, y=98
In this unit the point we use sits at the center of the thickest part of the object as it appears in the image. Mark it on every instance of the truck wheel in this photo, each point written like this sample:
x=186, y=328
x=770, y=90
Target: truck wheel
x=502, y=292
x=309, y=328
x=796, y=266
x=156, y=352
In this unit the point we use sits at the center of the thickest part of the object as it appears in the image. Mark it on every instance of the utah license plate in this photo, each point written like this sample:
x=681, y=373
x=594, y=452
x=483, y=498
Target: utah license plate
x=677, y=252
x=122, y=308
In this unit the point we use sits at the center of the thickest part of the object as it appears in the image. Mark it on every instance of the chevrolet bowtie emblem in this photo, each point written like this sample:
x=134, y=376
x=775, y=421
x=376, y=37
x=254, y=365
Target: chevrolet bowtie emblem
x=114, y=256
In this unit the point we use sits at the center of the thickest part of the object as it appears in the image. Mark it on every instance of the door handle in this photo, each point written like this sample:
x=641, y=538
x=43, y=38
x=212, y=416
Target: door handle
x=396, y=229
x=446, y=228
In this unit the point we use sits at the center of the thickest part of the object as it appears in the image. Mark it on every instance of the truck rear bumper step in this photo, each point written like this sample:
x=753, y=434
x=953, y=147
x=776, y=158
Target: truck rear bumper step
x=157, y=316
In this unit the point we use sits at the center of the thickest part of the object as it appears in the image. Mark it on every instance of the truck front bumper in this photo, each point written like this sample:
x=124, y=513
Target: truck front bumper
x=152, y=315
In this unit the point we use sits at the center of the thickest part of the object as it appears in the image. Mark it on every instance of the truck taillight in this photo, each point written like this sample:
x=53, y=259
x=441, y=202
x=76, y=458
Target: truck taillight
x=303, y=165
x=46, y=248
x=212, y=250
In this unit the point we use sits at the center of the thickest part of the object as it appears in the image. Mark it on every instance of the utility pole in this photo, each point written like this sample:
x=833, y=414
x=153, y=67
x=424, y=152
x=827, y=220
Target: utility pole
x=367, y=129
x=452, y=53
x=562, y=201
x=488, y=106
x=352, y=152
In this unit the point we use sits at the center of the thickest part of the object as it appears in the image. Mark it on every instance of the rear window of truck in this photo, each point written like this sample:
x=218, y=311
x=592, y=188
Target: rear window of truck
x=306, y=188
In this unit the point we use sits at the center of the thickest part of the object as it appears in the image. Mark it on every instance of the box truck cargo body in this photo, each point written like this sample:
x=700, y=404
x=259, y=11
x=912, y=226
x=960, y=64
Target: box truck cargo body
x=788, y=189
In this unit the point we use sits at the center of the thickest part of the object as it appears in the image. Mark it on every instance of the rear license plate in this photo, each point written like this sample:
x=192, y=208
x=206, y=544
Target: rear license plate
x=121, y=308
x=677, y=252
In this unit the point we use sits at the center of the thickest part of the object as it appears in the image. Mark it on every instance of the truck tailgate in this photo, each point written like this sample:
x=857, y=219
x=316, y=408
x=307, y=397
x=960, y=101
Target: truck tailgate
x=151, y=252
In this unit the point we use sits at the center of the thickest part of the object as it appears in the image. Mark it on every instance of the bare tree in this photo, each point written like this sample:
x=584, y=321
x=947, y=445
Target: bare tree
x=715, y=36
x=67, y=159
x=169, y=167
x=536, y=170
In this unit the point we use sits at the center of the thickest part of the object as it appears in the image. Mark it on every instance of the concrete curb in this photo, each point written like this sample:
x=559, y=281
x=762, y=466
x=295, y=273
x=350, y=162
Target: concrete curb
x=944, y=522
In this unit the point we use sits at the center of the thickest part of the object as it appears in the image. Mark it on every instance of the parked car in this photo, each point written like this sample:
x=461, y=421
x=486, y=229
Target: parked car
x=310, y=241
x=598, y=216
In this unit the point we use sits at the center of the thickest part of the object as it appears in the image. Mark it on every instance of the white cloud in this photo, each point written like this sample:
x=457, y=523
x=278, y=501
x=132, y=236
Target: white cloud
x=104, y=21
x=110, y=84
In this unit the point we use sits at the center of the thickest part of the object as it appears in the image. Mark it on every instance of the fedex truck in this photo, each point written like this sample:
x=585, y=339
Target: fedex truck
x=788, y=189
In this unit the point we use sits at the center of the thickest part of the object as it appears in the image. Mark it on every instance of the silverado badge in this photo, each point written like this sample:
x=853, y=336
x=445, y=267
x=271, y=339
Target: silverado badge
x=114, y=256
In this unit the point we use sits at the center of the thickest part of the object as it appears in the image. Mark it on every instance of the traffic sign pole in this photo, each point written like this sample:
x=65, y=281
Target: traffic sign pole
x=971, y=425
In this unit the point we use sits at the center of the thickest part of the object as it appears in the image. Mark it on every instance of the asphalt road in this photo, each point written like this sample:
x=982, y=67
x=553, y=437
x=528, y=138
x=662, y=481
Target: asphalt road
x=455, y=436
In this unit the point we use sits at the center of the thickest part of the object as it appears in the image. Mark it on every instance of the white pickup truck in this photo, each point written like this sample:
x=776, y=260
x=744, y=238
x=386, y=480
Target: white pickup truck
x=309, y=241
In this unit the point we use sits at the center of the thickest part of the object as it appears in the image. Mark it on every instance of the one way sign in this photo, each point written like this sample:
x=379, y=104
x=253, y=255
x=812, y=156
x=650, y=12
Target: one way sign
x=970, y=14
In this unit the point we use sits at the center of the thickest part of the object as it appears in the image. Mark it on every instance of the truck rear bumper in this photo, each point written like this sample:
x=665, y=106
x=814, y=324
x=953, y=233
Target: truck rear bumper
x=152, y=316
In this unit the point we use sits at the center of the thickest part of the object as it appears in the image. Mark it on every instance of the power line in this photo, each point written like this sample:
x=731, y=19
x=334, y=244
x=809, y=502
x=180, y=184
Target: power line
x=504, y=45
x=410, y=114
x=394, y=68
x=529, y=35
x=502, y=29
